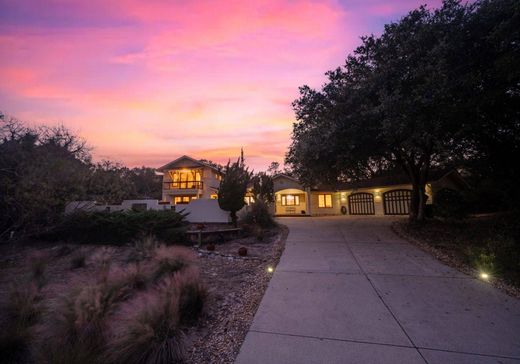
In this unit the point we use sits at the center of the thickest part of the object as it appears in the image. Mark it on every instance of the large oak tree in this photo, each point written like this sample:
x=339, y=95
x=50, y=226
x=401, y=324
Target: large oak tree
x=409, y=98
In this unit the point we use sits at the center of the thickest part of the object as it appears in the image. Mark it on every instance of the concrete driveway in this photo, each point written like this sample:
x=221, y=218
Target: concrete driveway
x=348, y=290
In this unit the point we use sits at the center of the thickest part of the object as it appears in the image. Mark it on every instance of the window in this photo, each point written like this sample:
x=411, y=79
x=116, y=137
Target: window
x=249, y=200
x=181, y=200
x=214, y=196
x=325, y=200
x=290, y=200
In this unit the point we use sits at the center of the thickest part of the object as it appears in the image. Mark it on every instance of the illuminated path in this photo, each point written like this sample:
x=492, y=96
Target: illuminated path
x=347, y=290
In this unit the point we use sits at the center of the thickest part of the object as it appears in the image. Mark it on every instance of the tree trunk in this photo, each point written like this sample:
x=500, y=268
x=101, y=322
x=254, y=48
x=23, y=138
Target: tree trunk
x=234, y=219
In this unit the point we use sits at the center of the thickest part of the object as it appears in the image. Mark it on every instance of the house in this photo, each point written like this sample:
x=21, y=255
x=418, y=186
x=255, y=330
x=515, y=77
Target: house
x=186, y=179
x=385, y=195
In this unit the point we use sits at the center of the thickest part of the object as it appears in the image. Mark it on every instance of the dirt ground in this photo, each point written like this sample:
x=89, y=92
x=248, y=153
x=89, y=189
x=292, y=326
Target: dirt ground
x=236, y=285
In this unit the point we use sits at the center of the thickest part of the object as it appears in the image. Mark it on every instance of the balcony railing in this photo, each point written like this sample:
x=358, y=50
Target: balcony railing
x=183, y=185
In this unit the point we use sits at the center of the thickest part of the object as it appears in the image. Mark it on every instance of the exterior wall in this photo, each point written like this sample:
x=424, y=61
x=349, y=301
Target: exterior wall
x=336, y=203
x=204, y=210
x=126, y=205
x=340, y=198
x=294, y=209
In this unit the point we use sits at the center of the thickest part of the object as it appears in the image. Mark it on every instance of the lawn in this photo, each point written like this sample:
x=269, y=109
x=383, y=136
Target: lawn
x=135, y=303
x=479, y=244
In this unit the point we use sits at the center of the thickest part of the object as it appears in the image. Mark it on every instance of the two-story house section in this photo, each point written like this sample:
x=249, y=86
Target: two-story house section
x=186, y=179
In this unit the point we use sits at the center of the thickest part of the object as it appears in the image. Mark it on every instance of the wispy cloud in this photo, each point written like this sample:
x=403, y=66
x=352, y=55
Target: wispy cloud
x=147, y=81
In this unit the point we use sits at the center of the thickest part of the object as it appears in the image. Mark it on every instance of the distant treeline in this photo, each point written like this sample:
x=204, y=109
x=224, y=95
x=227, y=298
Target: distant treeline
x=43, y=168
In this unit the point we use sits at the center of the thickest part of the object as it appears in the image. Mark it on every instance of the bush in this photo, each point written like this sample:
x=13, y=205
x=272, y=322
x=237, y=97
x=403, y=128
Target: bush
x=149, y=333
x=120, y=227
x=258, y=214
x=450, y=204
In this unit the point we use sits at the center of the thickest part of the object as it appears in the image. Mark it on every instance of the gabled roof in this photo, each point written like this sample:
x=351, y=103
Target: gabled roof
x=282, y=175
x=191, y=162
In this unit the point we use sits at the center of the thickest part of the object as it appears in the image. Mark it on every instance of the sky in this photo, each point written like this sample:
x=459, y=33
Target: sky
x=146, y=81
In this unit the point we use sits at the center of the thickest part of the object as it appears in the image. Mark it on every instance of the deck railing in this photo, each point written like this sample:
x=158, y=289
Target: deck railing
x=183, y=185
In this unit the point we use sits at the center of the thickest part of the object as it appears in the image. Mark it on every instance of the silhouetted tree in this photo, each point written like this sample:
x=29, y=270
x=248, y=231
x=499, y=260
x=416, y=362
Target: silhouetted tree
x=233, y=188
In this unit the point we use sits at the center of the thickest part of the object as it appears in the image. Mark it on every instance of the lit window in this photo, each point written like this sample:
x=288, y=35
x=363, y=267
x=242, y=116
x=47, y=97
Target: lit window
x=290, y=200
x=249, y=200
x=325, y=200
x=181, y=200
x=214, y=196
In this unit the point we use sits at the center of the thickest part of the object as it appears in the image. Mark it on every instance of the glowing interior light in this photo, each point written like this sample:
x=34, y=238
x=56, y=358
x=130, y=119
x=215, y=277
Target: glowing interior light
x=270, y=269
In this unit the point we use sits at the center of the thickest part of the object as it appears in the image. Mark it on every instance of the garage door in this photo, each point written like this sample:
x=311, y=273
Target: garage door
x=361, y=204
x=397, y=202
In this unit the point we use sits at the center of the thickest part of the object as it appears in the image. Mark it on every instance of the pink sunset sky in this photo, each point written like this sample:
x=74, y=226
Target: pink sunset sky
x=147, y=81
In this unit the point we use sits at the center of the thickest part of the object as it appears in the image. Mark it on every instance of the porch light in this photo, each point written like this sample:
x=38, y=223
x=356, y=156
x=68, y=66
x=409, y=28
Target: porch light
x=270, y=269
x=484, y=276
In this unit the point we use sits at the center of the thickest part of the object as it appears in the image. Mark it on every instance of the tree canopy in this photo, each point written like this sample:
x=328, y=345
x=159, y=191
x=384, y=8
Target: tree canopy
x=431, y=91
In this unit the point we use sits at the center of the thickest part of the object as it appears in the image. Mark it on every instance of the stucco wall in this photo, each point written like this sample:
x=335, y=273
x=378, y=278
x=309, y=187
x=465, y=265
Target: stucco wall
x=204, y=210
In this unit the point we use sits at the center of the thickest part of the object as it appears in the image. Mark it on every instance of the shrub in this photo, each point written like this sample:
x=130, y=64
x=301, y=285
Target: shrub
x=120, y=227
x=258, y=214
x=210, y=247
x=172, y=259
x=450, y=204
x=149, y=333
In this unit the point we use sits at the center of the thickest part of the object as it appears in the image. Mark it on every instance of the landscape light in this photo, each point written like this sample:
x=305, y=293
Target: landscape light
x=484, y=275
x=270, y=269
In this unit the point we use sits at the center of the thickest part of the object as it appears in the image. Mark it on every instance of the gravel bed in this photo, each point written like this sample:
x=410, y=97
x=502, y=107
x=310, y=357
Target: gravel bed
x=236, y=286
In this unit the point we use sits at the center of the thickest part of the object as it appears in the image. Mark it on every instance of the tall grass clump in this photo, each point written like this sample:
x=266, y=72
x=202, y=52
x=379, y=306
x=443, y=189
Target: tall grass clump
x=144, y=248
x=38, y=262
x=192, y=294
x=22, y=312
x=172, y=259
x=75, y=329
x=149, y=333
